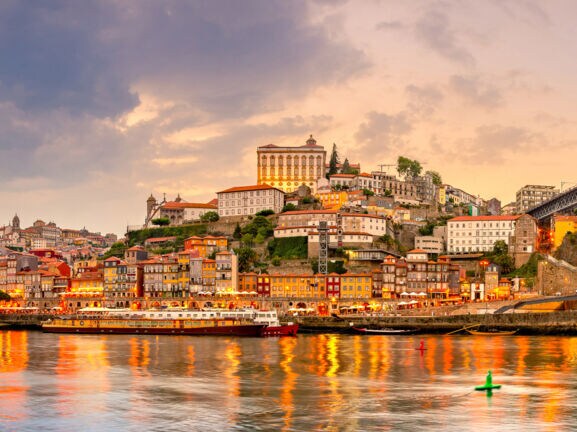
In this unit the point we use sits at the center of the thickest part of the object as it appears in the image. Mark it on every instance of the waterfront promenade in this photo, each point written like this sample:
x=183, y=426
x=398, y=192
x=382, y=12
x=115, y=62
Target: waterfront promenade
x=554, y=323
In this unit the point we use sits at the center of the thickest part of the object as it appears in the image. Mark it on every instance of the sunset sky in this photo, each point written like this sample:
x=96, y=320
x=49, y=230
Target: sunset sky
x=104, y=102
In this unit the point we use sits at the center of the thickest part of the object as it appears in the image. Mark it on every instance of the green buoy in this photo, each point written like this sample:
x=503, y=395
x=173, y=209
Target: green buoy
x=488, y=384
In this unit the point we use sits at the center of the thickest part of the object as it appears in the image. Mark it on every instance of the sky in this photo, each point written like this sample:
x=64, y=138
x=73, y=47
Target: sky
x=104, y=102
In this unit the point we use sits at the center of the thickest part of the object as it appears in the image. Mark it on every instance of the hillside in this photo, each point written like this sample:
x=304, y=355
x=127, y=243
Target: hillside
x=568, y=249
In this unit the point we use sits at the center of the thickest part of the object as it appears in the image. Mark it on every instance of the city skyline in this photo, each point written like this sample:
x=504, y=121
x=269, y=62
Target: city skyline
x=103, y=103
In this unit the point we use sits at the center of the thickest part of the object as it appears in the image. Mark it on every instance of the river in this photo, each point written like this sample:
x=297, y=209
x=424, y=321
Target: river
x=307, y=383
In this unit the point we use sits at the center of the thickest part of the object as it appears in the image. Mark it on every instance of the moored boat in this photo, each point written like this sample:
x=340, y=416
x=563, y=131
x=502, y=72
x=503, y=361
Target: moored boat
x=269, y=318
x=154, y=322
x=385, y=331
x=491, y=332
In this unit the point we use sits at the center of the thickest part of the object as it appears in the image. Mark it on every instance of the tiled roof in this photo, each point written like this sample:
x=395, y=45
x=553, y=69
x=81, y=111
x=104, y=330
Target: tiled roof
x=249, y=188
x=351, y=176
x=301, y=212
x=172, y=205
x=485, y=218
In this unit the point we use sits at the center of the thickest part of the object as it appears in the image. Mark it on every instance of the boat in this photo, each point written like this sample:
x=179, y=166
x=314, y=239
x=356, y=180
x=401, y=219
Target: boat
x=183, y=322
x=384, y=331
x=236, y=322
x=269, y=318
x=491, y=332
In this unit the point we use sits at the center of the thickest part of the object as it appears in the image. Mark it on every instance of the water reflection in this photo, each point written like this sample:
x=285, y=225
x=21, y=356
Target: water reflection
x=323, y=382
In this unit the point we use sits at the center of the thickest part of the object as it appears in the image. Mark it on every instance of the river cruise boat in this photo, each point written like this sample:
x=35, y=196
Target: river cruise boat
x=269, y=318
x=206, y=323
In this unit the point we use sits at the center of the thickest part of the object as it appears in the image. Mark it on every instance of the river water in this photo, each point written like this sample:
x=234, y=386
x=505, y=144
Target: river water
x=307, y=383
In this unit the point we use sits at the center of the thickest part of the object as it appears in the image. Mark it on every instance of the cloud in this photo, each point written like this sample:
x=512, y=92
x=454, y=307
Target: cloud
x=382, y=133
x=423, y=100
x=434, y=29
x=390, y=25
x=496, y=144
x=476, y=91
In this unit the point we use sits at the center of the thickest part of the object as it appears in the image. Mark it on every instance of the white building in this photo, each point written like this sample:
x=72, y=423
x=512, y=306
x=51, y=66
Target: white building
x=249, y=200
x=468, y=234
x=181, y=212
x=430, y=244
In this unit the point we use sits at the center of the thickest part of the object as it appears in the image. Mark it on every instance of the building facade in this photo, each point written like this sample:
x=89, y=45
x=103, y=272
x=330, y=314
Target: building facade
x=530, y=196
x=286, y=168
x=249, y=200
x=468, y=234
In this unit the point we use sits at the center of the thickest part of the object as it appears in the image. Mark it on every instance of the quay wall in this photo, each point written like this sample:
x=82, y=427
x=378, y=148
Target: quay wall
x=555, y=323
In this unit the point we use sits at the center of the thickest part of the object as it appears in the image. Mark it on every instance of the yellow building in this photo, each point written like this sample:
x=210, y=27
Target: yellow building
x=333, y=200
x=561, y=226
x=357, y=286
x=442, y=195
x=170, y=274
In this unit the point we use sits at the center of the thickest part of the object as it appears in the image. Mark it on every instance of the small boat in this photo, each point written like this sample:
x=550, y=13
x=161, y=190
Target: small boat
x=384, y=331
x=491, y=332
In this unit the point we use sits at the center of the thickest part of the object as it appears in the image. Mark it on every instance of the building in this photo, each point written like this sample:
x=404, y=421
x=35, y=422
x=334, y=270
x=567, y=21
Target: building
x=249, y=200
x=204, y=247
x=430, y=244
x=226, y=271
x=286, y=168
x=181, y=212
x=561, y=226
x=531, y=196
x=467, y=234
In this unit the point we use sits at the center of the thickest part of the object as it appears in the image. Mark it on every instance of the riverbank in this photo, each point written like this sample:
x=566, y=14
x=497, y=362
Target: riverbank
x=555, y=323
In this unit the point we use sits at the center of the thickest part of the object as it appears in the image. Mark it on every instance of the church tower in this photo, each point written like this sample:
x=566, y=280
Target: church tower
x=15, y=223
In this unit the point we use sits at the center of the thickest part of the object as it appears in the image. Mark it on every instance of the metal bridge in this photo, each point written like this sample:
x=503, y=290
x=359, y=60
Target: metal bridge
x=565, y=201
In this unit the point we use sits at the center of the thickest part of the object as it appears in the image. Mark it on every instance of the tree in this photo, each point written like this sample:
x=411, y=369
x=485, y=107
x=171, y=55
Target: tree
x=210, y=216
x=117, y=249
x=265, y=212
x=500, y=248
x=247, y=240
x=368, y=192
x=436, y=177
x=333, y=161
x=237, y=234
x=163, y=221
x=346, y=169
x=289, y=207
x=408, y=167
x=4, y=296
x=388, y=193
x=247, y=258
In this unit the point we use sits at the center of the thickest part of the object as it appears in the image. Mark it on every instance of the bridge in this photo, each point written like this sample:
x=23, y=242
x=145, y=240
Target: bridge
x=544, y=304
x=564, y=202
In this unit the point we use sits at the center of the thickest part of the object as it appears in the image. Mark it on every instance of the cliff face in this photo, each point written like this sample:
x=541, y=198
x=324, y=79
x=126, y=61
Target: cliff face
x=568, y=249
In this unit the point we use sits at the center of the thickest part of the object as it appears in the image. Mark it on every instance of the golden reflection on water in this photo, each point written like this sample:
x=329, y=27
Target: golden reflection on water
x=13, y=360
x=232, y=355
x=287, y=350
x=82, y=368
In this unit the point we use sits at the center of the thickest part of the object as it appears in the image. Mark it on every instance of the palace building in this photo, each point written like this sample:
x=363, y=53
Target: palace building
x=287, y=168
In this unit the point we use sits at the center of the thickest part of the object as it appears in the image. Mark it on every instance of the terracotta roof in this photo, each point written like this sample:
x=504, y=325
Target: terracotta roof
x=249, y=188
x=300, y=212
x=269, y=146
x=182, y=205
x=351, y=176
x=417, y=251
x=485, y=218
x=563, y=218
x=159, y=239
x=363, y=215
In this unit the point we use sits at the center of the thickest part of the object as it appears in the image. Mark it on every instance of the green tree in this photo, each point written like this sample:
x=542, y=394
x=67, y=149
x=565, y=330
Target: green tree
x=333, y=161
x=388, y=193
x=436, y=177
x=500, y=248
x=247, y=258
x=117, y=249
x=408, y=167
x=4, y=296
x=346, y=169
x=368, y=192
x=247, y=240
x=163, y=221
x=288, y=207
x=265, y=212
x=237, y=234
x=210, y=216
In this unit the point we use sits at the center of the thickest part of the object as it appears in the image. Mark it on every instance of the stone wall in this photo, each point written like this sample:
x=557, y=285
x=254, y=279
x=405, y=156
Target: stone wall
x=556, y=276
